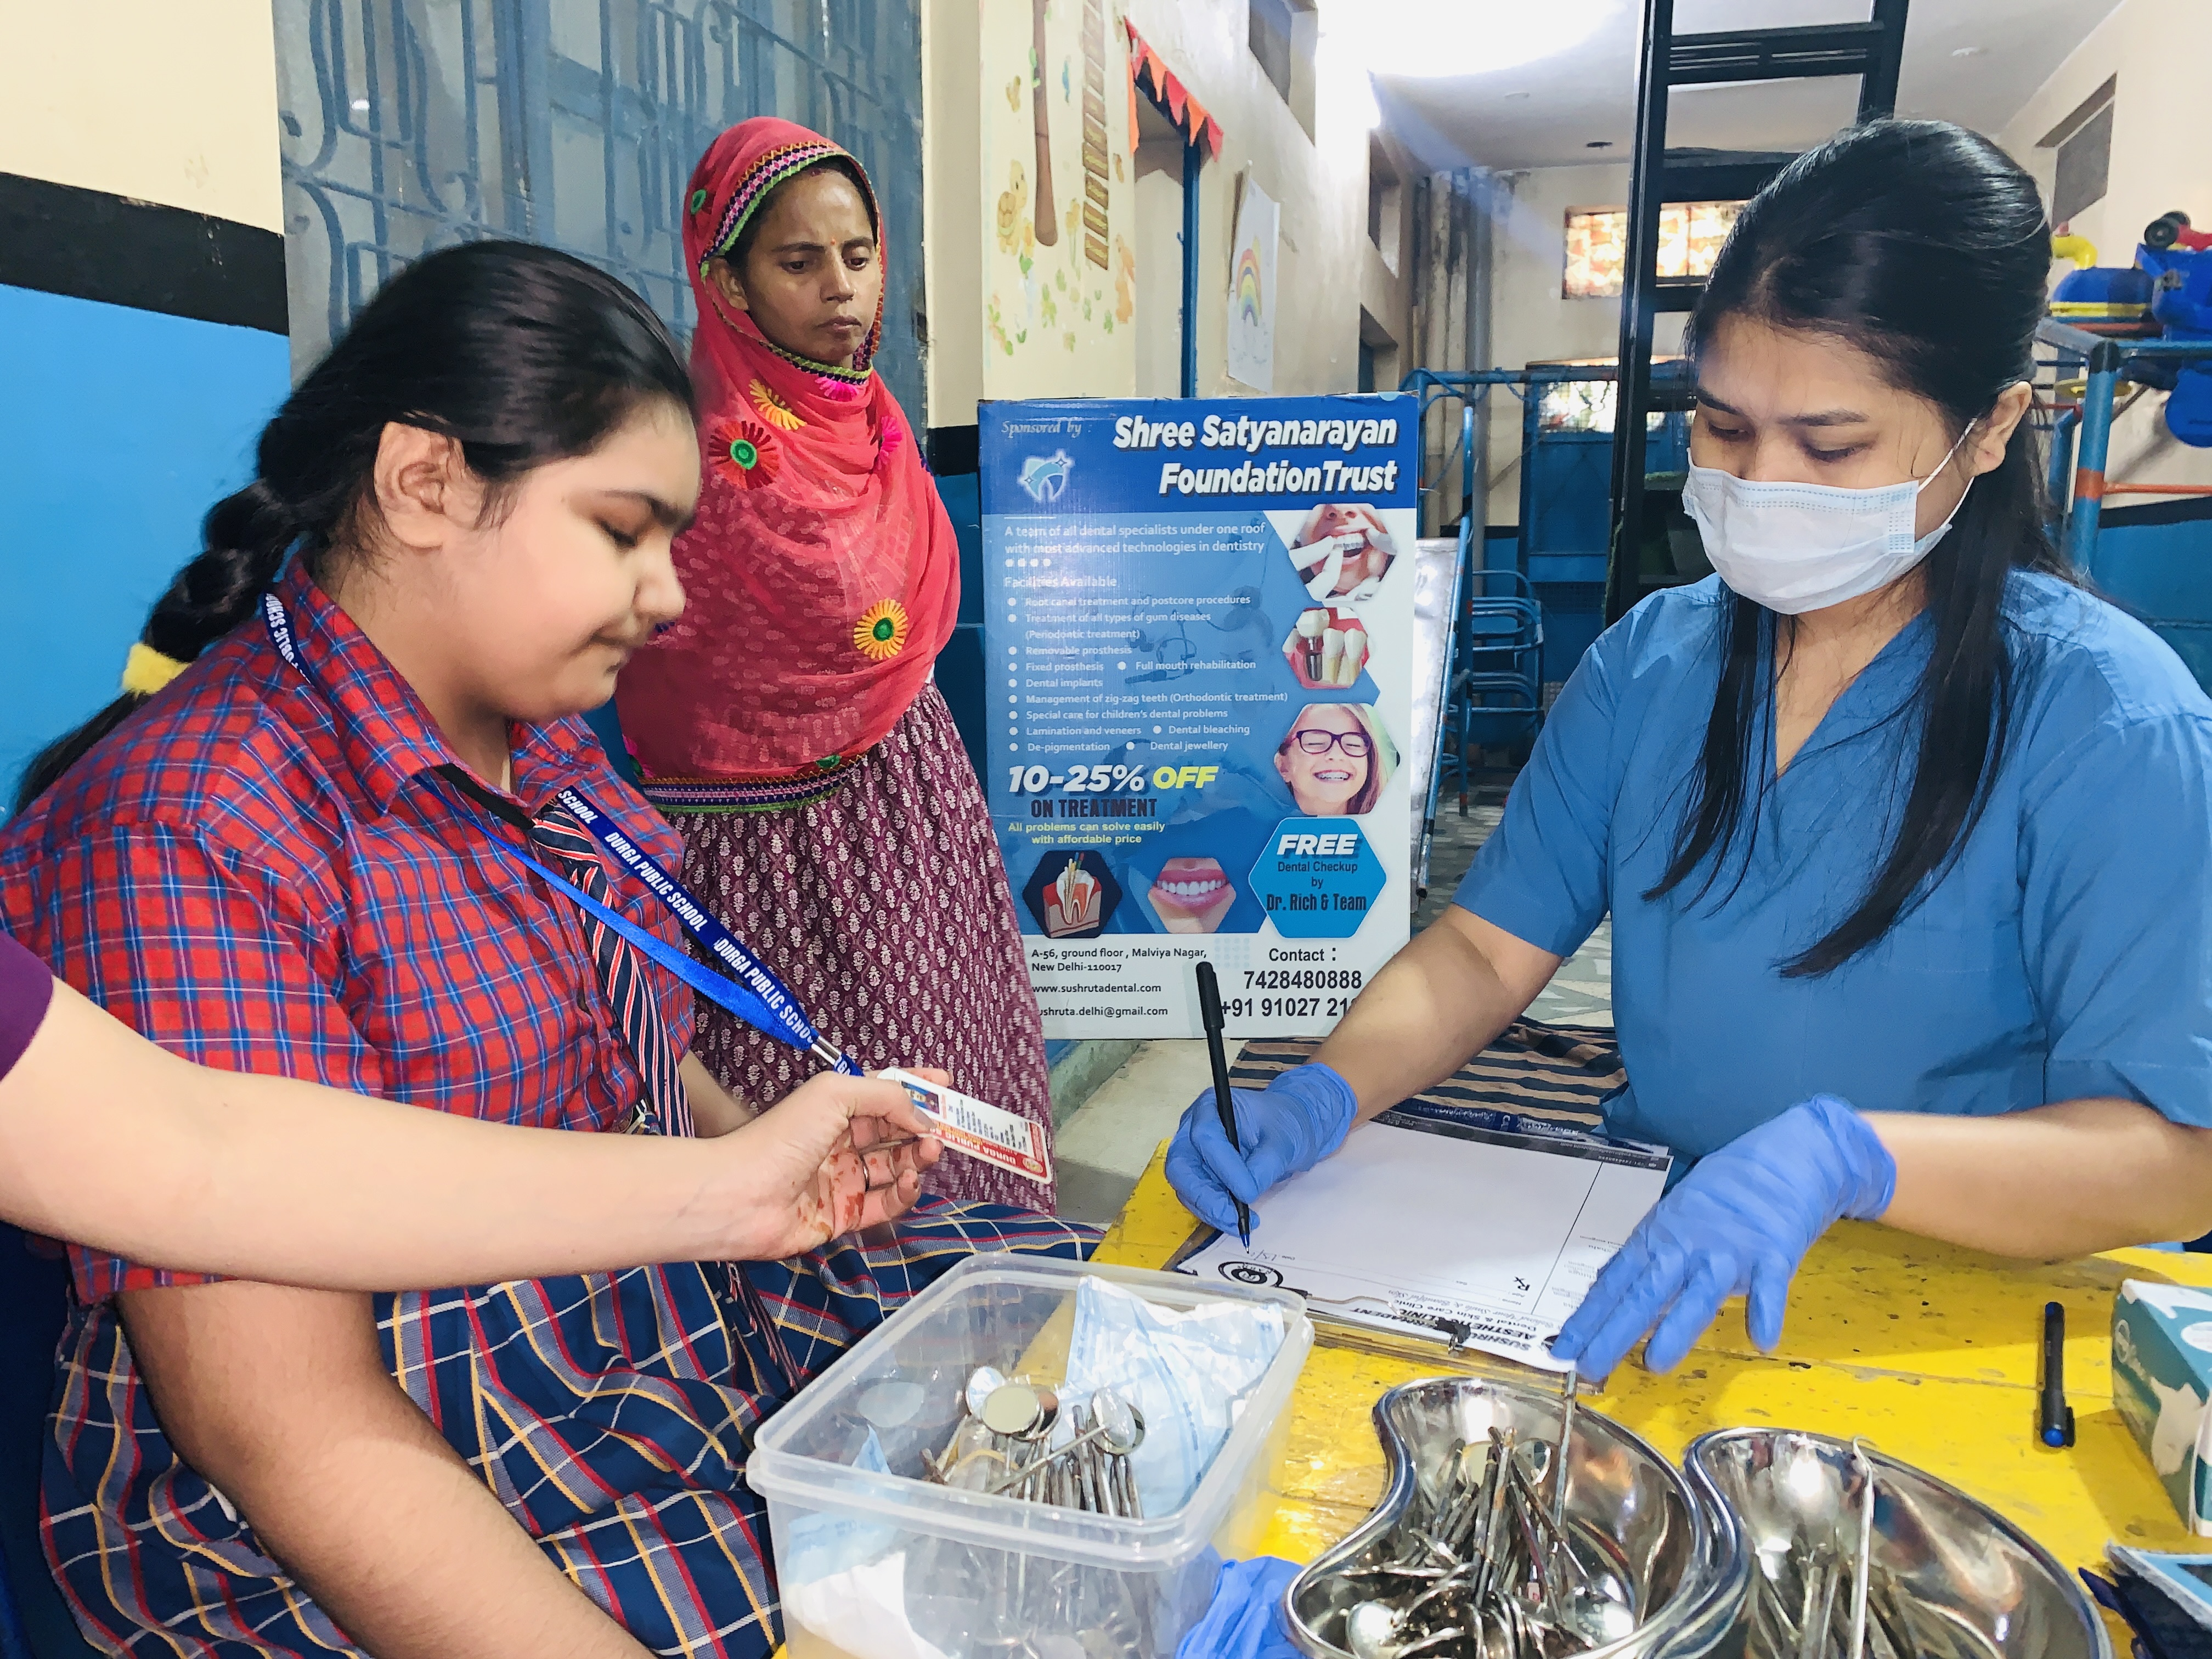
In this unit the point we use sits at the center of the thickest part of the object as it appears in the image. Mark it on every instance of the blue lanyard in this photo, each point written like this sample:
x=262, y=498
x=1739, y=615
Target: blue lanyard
x=756, y=995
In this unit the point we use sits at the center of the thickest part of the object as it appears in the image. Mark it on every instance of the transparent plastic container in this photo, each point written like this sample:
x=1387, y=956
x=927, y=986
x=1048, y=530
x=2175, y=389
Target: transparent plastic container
x=891, y=1566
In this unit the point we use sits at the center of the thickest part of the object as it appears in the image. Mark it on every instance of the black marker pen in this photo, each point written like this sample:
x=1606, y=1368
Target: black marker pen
x=2054, y=1420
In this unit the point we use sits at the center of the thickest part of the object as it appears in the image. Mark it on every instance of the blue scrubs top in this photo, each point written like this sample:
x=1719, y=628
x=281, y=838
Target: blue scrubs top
x=2067, y=954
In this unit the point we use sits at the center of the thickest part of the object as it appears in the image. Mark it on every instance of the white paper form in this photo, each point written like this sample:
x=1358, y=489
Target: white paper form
x=1434, y=1224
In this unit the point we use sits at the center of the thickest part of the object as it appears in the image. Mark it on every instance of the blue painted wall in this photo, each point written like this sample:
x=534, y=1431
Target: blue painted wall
x=2156, y=561
x=119, y=428
x=960, y=668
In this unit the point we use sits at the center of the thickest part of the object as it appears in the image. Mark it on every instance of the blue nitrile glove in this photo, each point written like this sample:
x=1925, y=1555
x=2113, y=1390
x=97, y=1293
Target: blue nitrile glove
x=1243, y=1622
x=1739, y=1221
x=1298, y=1120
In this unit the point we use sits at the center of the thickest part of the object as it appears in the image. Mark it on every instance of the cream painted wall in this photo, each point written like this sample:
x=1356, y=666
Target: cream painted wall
x=1059, y=269
x=952, y=207
x=1323, y=276
x=1531, y=320
x=2161, y=160
x=151, y=99
x=2161, y=119
x=1328, y=270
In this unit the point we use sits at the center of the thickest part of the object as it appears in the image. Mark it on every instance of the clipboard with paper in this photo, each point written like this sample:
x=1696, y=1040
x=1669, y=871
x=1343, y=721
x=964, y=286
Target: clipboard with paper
x=1449, y=1228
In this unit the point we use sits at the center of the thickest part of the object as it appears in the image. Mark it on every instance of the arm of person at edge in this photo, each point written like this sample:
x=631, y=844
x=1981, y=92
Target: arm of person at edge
x=2060, y=1180
x=279, y=1396
x=111, y=1140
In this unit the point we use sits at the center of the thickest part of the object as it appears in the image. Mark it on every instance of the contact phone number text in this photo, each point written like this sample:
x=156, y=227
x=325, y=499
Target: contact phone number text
x=1293, y=979
x=1283, y=1007
x=1304, y=979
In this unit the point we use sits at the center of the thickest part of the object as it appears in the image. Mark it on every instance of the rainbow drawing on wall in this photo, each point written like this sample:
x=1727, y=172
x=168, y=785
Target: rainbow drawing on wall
x=1250, y=356
x=1249, y=306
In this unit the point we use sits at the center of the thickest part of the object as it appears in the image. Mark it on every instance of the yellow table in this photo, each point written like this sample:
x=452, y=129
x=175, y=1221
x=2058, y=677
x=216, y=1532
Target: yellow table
x=1931, y=1352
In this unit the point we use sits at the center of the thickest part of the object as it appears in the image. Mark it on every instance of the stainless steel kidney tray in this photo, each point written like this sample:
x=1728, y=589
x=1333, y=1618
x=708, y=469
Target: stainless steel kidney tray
x=1681, y=1558
x=1962, y=1581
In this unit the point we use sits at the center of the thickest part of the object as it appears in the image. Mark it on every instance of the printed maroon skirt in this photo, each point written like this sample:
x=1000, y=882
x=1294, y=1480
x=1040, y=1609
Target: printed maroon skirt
x=880, y=899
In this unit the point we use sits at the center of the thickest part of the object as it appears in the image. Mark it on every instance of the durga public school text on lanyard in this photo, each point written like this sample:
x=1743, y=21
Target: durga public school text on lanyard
x=756, y=995
x=760, y=1000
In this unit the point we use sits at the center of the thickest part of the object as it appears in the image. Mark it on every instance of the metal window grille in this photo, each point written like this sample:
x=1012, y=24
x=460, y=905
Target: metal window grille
x=410, y=124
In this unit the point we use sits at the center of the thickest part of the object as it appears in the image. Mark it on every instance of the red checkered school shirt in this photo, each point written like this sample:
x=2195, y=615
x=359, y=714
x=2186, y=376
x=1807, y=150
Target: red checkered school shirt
x=262, y=872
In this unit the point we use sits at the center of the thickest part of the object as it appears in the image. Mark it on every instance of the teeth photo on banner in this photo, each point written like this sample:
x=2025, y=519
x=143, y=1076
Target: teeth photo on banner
x=1205, y=623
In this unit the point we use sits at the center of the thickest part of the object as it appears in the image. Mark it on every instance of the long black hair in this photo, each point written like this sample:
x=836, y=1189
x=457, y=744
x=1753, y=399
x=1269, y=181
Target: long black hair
x=520, y=354
x=1925, y=247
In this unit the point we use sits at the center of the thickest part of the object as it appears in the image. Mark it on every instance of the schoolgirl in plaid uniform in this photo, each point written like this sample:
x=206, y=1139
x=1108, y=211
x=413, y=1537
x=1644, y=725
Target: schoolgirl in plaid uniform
x=293, y=866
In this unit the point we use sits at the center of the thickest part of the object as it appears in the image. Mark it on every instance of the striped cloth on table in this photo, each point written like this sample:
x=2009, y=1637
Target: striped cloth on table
x=1558, y=1074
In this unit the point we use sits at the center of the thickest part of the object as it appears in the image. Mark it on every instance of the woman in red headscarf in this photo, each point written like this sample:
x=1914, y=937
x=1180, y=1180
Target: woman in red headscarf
x=789, y=724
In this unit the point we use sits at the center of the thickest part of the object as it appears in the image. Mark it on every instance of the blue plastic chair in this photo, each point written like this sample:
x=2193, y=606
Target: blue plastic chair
x=34, y=1620
x=1496, y=691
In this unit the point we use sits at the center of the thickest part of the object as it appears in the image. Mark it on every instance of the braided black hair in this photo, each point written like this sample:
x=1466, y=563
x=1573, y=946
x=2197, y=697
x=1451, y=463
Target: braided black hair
x=521, y=355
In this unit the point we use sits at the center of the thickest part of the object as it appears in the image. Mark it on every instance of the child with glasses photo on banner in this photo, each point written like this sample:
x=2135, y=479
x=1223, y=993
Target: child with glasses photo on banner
x=1335, y=760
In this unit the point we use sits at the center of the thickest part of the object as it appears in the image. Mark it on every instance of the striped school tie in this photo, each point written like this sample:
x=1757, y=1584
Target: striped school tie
x=755, y=1335
x=757, y=1341
x=664, y=1109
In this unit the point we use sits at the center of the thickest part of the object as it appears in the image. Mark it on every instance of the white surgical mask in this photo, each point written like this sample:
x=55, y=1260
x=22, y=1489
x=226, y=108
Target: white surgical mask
x=1798, y=547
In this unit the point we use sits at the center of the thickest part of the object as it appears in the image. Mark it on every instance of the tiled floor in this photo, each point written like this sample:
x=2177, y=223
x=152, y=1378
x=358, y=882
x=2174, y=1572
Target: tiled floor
x=1105, y=1147
x=1581, y=992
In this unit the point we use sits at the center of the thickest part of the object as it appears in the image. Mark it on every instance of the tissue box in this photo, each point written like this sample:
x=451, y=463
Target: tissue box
x=2161, y=1377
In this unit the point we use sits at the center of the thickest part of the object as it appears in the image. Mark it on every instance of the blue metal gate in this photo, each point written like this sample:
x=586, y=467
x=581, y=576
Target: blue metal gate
x=409, y=124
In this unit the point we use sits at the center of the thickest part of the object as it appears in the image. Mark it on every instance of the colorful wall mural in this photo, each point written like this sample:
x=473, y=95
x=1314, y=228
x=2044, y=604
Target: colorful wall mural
x=1059, y=271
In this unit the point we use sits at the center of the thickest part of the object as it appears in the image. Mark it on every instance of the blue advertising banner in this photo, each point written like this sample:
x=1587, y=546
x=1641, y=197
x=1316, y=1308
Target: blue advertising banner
x=1205, y=624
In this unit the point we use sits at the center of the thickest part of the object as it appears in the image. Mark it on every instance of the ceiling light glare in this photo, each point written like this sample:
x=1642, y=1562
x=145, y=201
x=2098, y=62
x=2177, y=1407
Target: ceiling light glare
x=1434, y=38
x=1345, y=83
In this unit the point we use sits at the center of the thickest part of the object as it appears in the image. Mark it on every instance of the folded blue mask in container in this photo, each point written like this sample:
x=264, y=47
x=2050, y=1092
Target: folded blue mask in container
x=824, y=1543
x=1189, y=1372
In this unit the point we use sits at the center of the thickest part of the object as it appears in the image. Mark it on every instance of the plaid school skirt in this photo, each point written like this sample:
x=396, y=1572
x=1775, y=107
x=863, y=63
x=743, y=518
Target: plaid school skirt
x=611, y=1414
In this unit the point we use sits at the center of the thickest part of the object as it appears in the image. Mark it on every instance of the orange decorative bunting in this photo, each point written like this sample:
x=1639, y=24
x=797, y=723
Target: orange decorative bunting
x=1149, y=70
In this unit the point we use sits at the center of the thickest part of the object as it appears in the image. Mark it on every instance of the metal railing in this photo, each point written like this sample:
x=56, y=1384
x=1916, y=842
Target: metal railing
x=2081, y=441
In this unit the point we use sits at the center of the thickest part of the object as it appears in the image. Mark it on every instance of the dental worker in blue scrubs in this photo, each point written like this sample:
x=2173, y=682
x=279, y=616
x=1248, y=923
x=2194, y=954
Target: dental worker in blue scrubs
x=1904, y=834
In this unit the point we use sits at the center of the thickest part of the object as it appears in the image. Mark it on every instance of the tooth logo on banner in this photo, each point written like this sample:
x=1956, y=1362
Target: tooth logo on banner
x=1044, y=477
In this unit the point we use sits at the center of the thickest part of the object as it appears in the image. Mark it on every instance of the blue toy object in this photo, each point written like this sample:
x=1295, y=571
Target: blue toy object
x=2108, y=300
x=2179, y=261
x=2105, y=300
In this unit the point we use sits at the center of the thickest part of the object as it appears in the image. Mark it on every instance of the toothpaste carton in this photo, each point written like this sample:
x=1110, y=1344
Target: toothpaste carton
x=2161, y=1378
x=990, y=1134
